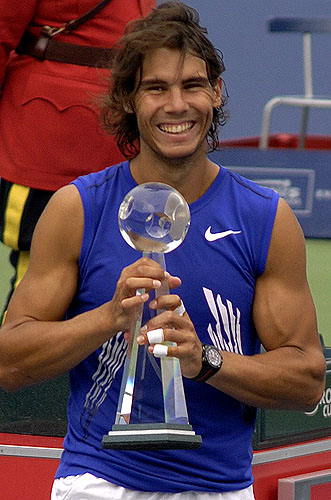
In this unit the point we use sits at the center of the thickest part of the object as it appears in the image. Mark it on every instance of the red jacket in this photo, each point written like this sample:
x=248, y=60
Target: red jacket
x=49, y=132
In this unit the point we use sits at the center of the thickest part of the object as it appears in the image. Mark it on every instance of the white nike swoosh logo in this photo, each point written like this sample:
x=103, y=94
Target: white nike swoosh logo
x=217, y=236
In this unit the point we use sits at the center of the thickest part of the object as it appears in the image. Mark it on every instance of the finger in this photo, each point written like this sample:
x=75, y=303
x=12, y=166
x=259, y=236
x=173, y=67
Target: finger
x=134, y=301
x=148, y=268
x=180, y=310
x=160, y=350
x=144, y=282
x=155, y=336
x=169, y=302
x=164, y=350
x=168, y=318
x=173, y=281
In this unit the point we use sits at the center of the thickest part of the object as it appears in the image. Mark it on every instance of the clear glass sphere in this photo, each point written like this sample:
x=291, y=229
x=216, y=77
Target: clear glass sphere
x=154, y=217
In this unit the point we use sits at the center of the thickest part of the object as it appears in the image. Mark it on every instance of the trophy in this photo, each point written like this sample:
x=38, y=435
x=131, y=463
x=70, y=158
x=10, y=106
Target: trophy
x=151, y=413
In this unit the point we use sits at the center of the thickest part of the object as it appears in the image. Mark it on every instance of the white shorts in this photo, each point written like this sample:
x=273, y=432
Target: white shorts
x=88, y=487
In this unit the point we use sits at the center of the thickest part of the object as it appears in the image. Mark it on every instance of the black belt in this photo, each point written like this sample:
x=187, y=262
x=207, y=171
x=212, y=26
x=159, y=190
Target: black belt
x=43, y=47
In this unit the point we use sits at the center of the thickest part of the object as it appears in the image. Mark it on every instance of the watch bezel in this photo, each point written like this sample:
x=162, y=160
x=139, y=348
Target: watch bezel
x=208, y=349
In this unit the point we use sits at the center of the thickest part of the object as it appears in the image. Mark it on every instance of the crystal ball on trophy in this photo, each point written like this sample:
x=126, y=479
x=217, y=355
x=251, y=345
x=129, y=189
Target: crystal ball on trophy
x=154, y=218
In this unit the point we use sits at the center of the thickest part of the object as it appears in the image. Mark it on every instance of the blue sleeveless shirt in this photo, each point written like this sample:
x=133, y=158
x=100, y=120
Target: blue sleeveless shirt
x=218, y=280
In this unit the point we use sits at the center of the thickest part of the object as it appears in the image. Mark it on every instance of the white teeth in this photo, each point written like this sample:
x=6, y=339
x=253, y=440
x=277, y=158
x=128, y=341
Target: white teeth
x=176, y=129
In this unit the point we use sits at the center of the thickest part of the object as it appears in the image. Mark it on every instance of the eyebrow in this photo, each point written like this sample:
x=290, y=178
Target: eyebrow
x=152, y=81
x=158, y=81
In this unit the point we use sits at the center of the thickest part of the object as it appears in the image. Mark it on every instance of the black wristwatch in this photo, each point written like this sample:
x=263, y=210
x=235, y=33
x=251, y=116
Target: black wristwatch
x=211, y=362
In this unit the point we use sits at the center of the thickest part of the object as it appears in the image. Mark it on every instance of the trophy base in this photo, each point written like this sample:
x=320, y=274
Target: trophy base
x=160, y=436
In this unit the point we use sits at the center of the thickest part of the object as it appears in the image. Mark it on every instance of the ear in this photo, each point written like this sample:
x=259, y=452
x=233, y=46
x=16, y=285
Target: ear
x=218, y=94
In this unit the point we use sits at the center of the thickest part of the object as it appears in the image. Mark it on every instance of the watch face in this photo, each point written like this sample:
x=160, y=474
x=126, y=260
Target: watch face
x=213, y=356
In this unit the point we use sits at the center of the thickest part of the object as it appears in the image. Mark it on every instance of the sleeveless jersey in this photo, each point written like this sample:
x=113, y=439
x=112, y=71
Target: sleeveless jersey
x=224, y=252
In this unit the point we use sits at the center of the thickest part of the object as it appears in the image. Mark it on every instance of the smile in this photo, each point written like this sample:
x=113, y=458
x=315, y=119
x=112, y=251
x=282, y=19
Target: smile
x=176, y=129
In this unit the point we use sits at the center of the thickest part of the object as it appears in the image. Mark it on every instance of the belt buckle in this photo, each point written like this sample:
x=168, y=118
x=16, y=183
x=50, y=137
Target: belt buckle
x=51, y=31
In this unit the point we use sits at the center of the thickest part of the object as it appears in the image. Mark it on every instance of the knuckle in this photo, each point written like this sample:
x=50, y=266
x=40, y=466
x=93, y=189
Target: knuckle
x=168, y=316
x=122, y=281
x=128, y=281
x=145, y=261
x=140, y=270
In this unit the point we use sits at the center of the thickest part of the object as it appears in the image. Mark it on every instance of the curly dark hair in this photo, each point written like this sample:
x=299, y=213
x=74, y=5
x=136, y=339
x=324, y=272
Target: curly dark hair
x=172, y=25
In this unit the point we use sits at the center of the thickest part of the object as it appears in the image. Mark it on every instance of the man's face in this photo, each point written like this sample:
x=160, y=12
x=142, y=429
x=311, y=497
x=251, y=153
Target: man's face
x=174, y=104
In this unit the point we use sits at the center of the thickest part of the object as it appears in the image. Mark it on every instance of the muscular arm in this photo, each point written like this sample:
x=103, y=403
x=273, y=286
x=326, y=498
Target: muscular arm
x=34, y=317
x=35, y=342
x=291, y=373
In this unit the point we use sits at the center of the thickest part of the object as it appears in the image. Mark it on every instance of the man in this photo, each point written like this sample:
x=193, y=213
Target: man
x=242, y=281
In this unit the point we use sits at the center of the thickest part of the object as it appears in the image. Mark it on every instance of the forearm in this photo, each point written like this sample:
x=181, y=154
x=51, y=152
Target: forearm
x=32, y=351
x=285, y=378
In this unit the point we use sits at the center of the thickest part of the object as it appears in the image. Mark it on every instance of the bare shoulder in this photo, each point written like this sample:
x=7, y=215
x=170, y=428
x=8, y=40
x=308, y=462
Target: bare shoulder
x=67, y=196
x=61, y=224
x=287, y=251
x=64, y=207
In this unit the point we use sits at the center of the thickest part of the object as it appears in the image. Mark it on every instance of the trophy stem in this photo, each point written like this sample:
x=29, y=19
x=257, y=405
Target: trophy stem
x=175, y=410
x=125, y=399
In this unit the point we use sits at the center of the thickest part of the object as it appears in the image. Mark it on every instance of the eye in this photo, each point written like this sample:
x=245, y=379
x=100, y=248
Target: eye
x=195, y=85
x=155, y=89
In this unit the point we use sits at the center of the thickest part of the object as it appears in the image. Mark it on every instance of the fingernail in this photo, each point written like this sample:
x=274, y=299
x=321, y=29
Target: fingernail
x=153, y=304
x=144, y=297
x=156, y=283
x=140, y=339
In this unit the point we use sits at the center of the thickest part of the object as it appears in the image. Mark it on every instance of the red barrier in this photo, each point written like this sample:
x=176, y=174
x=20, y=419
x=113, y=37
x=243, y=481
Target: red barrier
x=280, y=141
x=28, y=465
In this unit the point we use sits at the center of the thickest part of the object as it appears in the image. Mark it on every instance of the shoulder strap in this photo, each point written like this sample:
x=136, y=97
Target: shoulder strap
x=74, y=23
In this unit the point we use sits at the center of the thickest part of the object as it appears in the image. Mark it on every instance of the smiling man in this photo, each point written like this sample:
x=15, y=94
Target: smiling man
x=241, y=278
x=173, y=105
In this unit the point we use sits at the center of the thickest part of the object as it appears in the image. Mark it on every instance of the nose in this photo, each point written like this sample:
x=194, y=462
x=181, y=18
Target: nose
x=175, y=101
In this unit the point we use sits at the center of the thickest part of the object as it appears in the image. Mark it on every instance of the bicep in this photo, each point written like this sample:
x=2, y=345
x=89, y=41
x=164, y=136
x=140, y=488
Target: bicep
x=283, y=311
x=50, y=282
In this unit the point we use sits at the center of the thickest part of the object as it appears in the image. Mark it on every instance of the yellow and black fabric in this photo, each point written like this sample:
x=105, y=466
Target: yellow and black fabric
x=20, y=209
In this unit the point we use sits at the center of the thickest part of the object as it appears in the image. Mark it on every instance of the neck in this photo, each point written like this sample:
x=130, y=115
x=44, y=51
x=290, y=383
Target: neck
x=190, y=177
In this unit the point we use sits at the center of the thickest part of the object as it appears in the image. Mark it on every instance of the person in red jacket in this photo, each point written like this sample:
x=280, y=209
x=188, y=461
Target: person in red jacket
x=49, y=132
